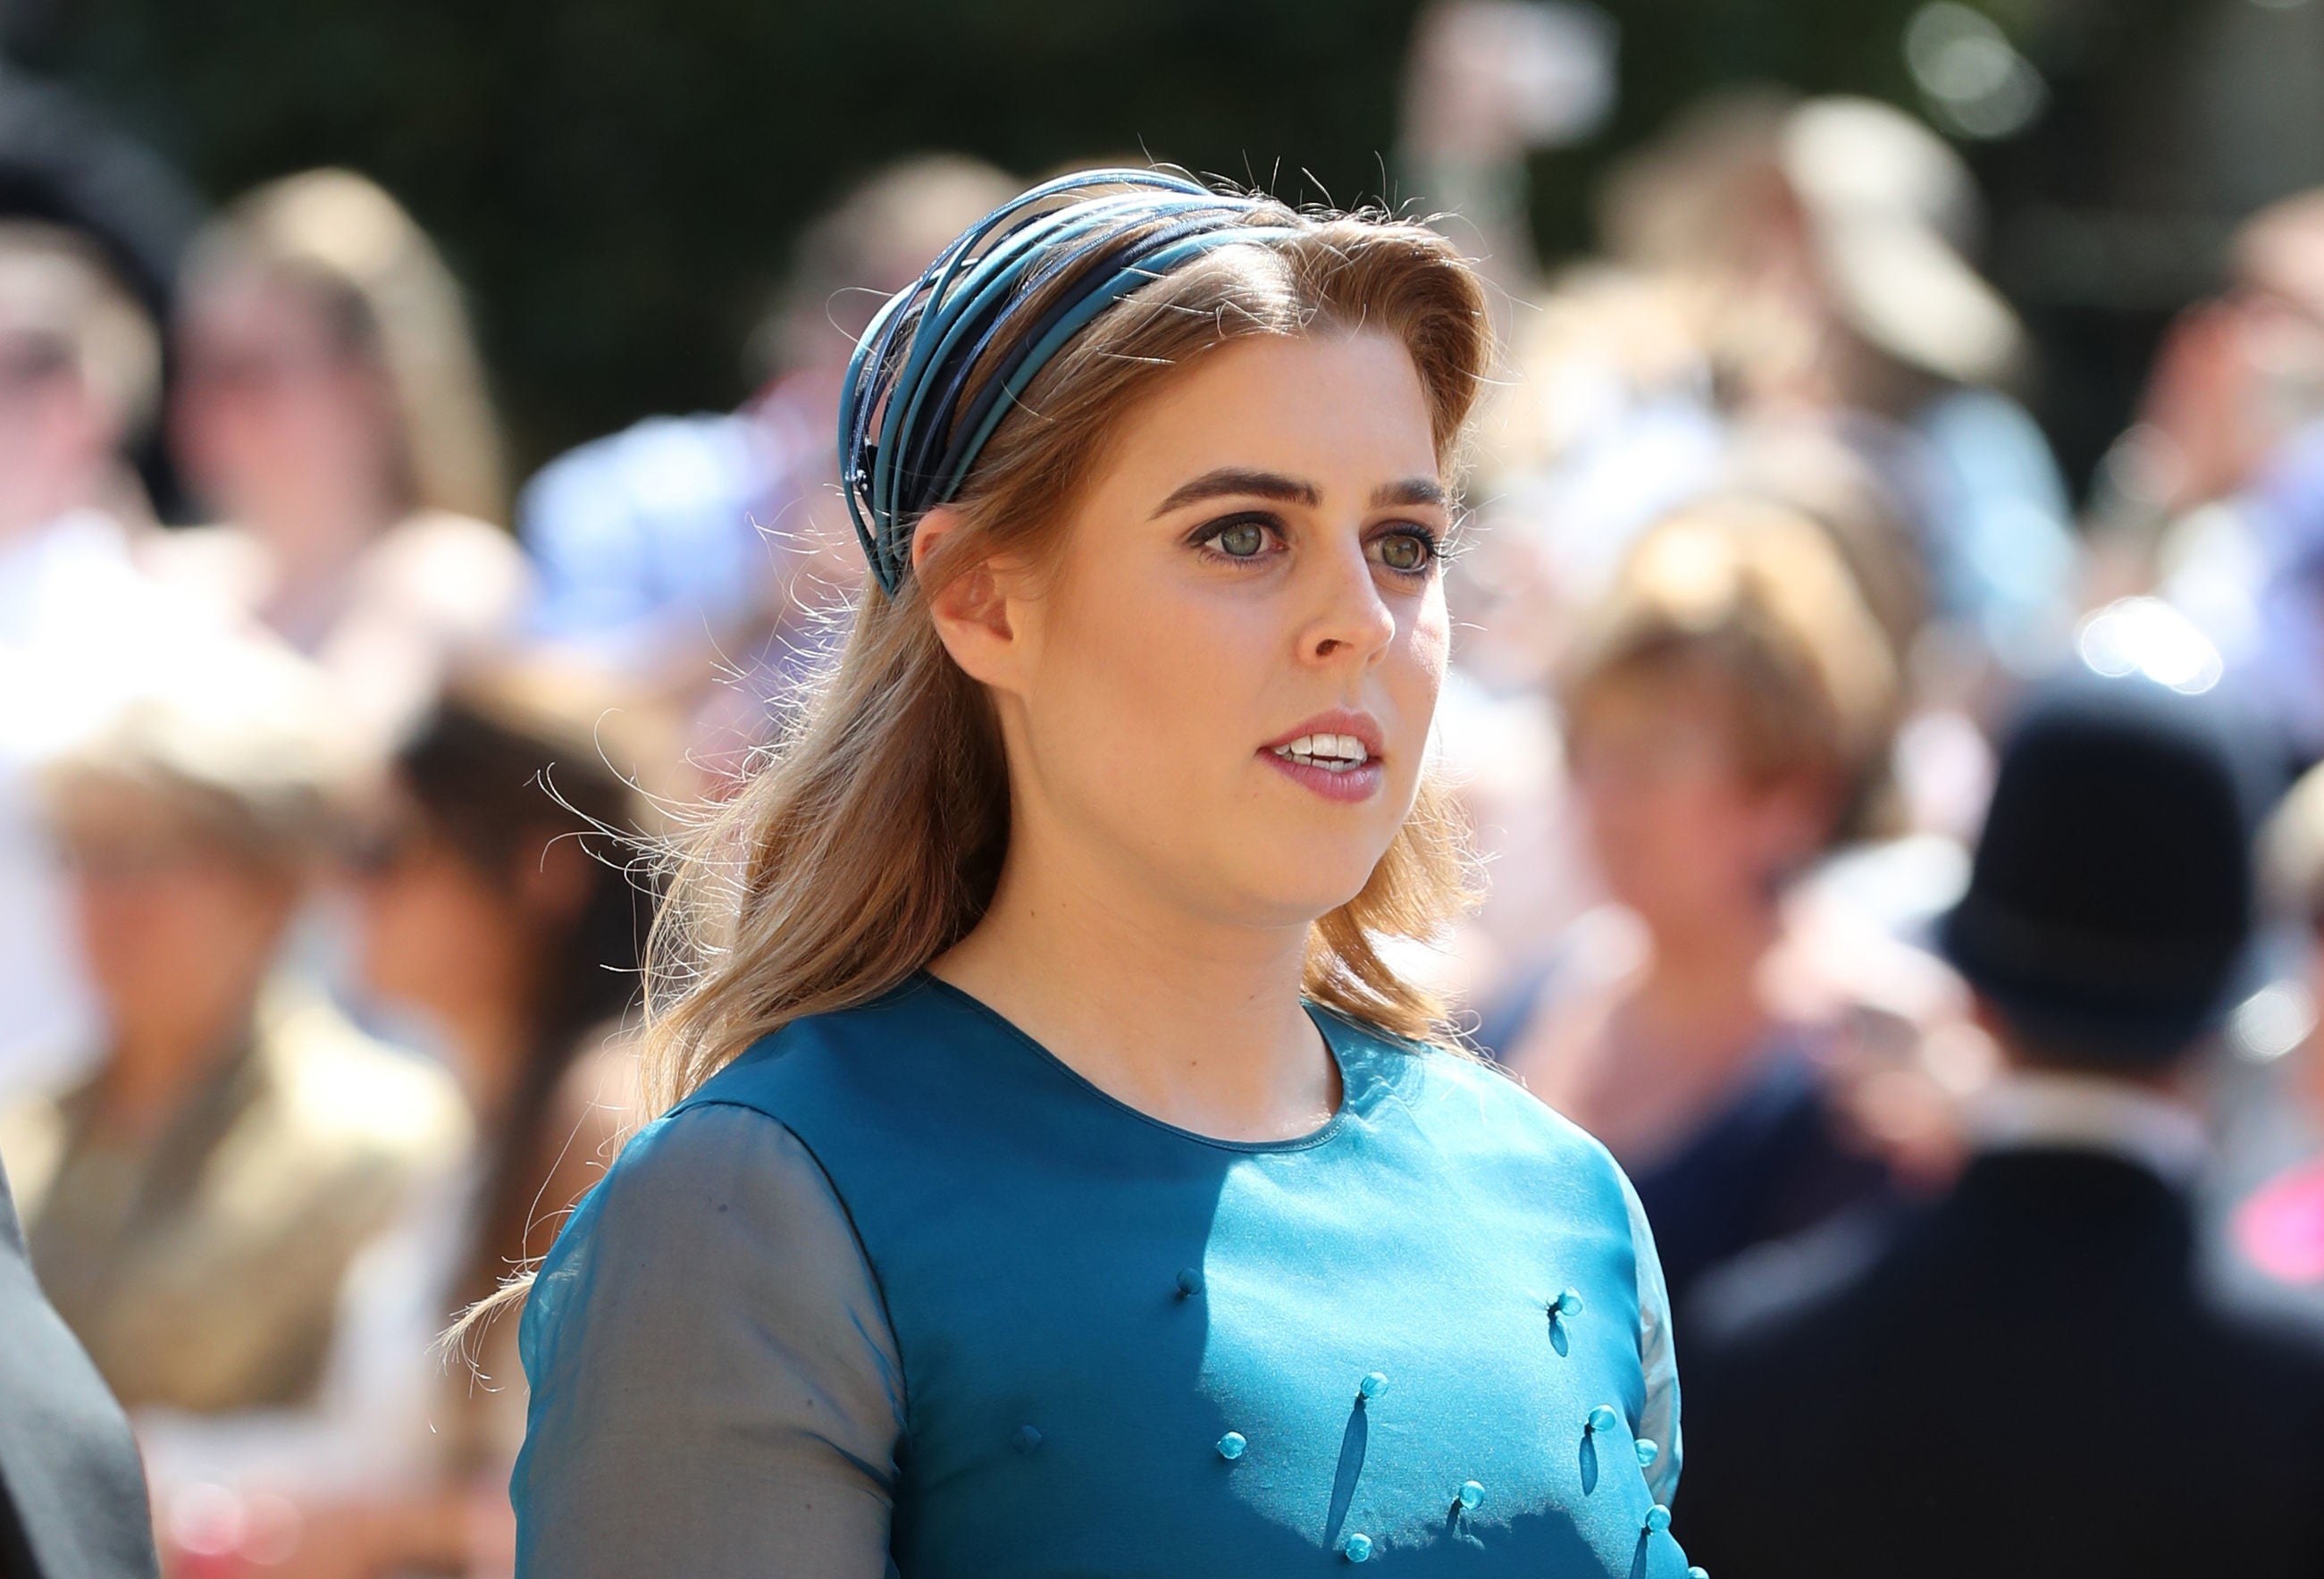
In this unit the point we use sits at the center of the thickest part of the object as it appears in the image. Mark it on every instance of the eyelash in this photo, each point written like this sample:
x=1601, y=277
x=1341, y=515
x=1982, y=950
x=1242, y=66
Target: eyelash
x=1209, y=532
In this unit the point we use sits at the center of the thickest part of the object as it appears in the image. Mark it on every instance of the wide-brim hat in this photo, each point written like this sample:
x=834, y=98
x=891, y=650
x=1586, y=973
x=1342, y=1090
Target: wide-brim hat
x=1893, y=215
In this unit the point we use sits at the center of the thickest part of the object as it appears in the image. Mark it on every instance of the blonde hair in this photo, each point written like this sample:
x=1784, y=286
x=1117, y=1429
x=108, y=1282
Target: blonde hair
x=871, y=841
x=1755, y=598
x=339, y=235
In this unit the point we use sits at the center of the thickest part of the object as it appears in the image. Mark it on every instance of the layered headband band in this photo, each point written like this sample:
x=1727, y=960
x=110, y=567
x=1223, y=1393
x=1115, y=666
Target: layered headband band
x=910, y=426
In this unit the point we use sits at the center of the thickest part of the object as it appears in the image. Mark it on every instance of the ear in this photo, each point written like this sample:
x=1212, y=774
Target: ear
x=974, y=611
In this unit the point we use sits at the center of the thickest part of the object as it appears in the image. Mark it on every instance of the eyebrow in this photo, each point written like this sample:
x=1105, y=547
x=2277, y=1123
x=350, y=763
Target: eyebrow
x=1239, y=482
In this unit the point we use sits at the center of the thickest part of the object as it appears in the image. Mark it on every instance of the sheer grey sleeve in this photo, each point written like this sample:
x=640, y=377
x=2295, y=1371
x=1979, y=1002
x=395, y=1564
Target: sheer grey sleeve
x=1659, y=1421
x=716, y=1392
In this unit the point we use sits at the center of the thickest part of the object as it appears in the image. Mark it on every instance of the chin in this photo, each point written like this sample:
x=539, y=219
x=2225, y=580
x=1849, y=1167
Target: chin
x=1304, y=880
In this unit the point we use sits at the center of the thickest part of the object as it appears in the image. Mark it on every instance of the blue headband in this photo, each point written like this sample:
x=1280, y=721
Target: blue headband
x=906, y=438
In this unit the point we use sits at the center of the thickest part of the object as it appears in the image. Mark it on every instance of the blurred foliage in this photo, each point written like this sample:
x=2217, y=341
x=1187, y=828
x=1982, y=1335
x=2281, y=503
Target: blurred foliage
x=617, y=180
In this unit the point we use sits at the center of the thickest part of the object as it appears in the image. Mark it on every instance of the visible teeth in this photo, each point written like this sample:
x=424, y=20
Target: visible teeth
x=1335, y=754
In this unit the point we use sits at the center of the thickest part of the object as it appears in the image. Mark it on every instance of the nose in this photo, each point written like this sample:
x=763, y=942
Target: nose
x=1351, y=621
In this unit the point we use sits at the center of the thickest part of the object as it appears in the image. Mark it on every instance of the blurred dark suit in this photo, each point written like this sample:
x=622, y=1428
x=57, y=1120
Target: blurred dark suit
x=2023, y=1379
x=72, y=1492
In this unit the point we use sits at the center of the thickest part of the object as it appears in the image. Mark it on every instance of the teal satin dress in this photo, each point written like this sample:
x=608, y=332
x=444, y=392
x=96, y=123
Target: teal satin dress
x=898, y=1291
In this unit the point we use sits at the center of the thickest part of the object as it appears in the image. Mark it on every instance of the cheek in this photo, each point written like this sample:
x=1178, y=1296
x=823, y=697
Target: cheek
x=1415, y=673
x=1150, y=681
x=1660, y=832
x=421, y=926
x=163, y=929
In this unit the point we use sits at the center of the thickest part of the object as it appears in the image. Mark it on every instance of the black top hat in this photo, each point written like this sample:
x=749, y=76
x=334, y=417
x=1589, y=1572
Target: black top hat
x=2111, y=898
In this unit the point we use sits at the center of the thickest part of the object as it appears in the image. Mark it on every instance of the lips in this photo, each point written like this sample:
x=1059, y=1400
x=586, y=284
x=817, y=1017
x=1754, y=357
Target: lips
x=1336, y=754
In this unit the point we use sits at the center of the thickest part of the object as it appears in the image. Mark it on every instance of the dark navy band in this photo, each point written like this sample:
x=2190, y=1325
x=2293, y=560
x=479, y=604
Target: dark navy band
x=910, y=428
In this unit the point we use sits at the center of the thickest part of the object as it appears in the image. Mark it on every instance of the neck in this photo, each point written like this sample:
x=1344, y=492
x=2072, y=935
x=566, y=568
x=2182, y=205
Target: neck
x=153, y=1067
x=315, y=541
x=1700, y=999
x=27, y=507
x=1192, y=1021
x=490, y=1043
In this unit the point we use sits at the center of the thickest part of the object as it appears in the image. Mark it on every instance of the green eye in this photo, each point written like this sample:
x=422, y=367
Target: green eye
x=1245, y=539
x=1406, y=552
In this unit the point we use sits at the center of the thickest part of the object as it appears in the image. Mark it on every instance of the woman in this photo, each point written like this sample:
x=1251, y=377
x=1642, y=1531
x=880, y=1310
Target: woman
x=1726, y=709
x=488, y=908
x=1056, y=1180
x=192, y=1208
x=331, y=408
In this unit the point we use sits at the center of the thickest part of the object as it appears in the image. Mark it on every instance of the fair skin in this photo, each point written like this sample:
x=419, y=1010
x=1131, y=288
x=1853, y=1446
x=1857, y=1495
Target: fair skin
x=1237, y=569
x=57, y=440
x=178, y=932
x=284, y=430
x=464, y=947
x=1696, y=849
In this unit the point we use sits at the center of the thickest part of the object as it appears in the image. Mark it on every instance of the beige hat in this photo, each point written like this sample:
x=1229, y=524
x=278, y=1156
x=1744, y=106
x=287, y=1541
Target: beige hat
x=238, y=729
x=1894, y=213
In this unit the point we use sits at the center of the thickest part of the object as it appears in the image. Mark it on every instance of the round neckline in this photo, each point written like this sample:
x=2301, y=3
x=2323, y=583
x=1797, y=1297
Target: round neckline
x=1321, y=1019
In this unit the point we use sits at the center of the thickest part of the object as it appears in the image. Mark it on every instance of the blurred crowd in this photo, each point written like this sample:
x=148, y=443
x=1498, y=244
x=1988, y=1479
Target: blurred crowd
x=325, y=827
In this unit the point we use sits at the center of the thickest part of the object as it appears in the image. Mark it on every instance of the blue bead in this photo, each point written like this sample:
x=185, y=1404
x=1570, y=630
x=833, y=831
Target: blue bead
x=1025, y=1439
x=1373, y=1385
x=1605, y=1420
x=1568, y=1303
x=1231, y=1445
x=1649, y=1450
x=1470, y=1493
x=1658, y=1519
x=1190, y=1283
x=1358, y=1547
x=1698, y=1573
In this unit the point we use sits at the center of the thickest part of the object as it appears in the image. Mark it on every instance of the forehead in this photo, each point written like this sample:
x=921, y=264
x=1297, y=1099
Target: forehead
x=241, y=301
x=1664, y=692
x=1346, y=411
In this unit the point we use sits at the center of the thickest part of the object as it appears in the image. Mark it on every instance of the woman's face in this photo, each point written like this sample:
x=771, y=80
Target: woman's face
x=438, y=935
x=175, y=927
x=1680, y=833
x=1219, y=697
x=272, y=411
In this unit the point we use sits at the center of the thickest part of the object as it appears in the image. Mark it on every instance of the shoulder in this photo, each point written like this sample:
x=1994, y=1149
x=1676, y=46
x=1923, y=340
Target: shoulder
x=33, y=1131
x=913, y=1048
x=221, y=567
x=345, y=1092
x=1776, y=1292
x=704, y=1159
x=709, y=1197
x=462, y=569
x=1474, y=1111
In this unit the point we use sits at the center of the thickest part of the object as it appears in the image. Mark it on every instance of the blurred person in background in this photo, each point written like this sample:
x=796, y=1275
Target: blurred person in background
x=2027, y=1376
x=683, y=545
x=81, y=622
x=1827, y=244
x=492, y=904
x=1487, y=85
x=192, y=1205
x=2214, y=497
x=1727, y=712
x=331, y=410
x=2278, y=1231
